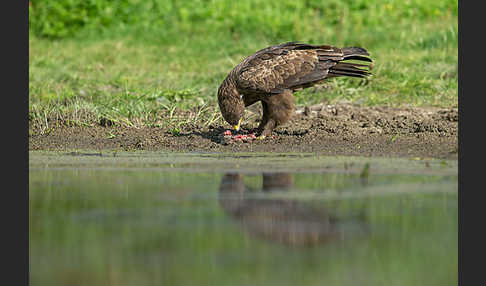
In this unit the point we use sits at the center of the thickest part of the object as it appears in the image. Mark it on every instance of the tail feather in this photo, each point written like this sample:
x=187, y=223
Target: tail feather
x=352, y=65
x=349, y=69
x=343, y=68
x=356, y=57
x=333, y=62
x=349, y=72
x=353, y=51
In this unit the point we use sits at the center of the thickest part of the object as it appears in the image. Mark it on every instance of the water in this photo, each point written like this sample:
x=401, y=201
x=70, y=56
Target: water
x=241, y=219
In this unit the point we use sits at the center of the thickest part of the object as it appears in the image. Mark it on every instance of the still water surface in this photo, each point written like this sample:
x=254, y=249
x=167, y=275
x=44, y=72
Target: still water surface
x=241, y=219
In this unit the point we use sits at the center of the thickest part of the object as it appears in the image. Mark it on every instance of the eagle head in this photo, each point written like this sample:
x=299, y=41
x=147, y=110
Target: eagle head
x=231, y=105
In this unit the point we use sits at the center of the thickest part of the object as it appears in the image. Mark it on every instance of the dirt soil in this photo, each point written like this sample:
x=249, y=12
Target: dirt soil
x=341, y=129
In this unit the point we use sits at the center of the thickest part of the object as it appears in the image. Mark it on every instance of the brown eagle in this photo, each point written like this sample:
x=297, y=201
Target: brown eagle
x=271, y=75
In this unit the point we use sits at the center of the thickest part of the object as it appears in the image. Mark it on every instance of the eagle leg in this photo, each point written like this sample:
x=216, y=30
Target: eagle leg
x=264, y=120
x=268, y=128
x=277, y=110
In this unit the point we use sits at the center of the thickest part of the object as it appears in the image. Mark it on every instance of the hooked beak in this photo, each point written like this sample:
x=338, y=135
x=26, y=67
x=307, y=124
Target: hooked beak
x=237, y=126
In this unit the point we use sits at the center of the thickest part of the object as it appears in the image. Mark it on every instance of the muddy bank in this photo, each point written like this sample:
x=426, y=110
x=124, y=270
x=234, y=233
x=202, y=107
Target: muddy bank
x=342, y=129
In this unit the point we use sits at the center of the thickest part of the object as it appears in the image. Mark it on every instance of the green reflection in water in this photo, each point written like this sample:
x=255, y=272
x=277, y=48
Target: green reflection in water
x=141, y=226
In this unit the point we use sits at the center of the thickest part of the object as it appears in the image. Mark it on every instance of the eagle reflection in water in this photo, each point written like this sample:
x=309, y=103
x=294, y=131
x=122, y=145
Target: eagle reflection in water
x=288, y=221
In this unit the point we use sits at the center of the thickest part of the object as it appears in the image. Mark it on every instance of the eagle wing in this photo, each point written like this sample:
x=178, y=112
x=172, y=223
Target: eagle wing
x=287, y=66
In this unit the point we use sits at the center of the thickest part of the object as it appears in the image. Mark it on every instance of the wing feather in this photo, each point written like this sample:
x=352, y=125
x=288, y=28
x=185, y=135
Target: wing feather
x=276, y=70
x=293, y=65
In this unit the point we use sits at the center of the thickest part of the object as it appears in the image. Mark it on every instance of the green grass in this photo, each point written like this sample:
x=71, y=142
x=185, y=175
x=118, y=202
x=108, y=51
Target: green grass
x=162, y=66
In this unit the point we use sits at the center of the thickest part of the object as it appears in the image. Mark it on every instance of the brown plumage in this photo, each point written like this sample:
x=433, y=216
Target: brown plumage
x=271, y=75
